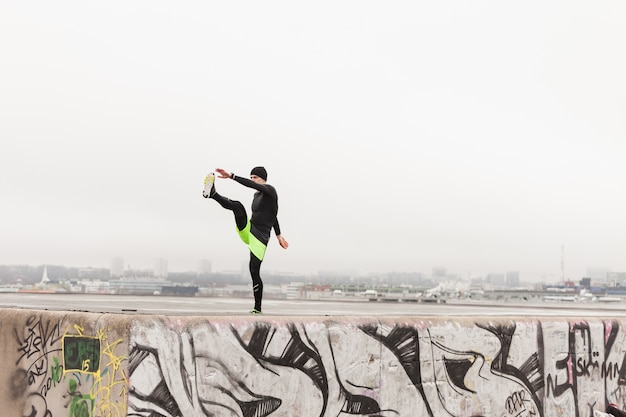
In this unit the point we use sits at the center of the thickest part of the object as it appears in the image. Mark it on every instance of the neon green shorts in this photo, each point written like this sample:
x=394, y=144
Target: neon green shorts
x=255, y=245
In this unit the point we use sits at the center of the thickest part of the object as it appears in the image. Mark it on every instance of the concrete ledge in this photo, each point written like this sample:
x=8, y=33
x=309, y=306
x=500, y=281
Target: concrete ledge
x=92, y=364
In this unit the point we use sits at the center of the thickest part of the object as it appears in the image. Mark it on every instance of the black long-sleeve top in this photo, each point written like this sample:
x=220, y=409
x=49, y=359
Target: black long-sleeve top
x=264, y=209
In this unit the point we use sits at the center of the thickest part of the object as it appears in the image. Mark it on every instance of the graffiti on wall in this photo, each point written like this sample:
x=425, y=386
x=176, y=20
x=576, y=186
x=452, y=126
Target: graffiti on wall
x=62, y=372
x=258, y=369
x=202, y=367
x=81, y=353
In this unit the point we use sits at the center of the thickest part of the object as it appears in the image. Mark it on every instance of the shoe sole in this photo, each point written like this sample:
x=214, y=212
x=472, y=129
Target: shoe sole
x=209, y=180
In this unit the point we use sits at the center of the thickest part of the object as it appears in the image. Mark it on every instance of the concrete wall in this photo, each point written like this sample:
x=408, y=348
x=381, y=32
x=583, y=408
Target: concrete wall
x=57, y=364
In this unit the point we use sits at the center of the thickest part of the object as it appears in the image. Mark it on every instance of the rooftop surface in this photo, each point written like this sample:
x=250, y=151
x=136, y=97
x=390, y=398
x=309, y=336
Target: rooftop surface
x=200, y=306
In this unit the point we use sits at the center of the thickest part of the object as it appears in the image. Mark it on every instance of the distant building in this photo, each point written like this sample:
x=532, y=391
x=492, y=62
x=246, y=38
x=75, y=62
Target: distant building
x=117, y=267
x=204, y=267
x=598, y=275
x=139, y=286
x=617, y=279
x=160, y=268
x=496, y=279
x=44, y=276
x=91, y=273
x=401, y=278
x=512, y=279
x=295, y=290
x=439, y=273
x=94, y=286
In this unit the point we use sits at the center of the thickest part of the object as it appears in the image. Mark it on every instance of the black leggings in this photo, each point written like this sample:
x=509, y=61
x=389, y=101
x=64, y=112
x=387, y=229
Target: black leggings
x=257, y=283
x=241, y=217
x=241, y=220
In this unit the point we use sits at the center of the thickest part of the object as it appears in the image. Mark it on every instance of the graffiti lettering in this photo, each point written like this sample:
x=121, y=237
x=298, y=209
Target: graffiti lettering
x=35, y=343
x=610, y=370
x=583, y=365
x=39, y=336
x=517, y=404
x=81, y=353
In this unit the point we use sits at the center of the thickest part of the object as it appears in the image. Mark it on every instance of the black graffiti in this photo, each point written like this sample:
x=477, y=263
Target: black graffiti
x=160, y=396
x=39, y=337
x=554, y=388
x=296, y=354
x=299, y=356
x=402, y=341
x=35, y=344
x=584, y=366
x=517, y=403
x=36, y=406
x=610, y=370
x=575, y=366
x=262, y=407
x=467, y=373
x=457, y=369
x=46, y=386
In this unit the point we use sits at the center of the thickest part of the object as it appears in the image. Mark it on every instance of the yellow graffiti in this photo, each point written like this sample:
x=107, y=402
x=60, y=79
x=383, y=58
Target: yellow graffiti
x=101, y=334
x=103, y=387
x=108, y=392
x=80, y=329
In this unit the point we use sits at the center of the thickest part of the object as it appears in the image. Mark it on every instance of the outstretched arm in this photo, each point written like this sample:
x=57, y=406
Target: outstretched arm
x=283, y=243
x=264, y=188
x=223, y=173
x=281, y=240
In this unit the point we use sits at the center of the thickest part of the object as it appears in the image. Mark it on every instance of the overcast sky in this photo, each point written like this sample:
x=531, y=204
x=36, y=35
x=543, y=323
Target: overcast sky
x=478, y=136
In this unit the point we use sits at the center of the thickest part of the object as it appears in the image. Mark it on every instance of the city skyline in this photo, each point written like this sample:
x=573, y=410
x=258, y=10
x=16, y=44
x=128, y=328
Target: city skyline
x=160, y=269
x=479, y=136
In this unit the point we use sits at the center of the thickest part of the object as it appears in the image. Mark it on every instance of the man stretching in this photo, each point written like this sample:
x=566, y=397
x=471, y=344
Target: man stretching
x=255, y=231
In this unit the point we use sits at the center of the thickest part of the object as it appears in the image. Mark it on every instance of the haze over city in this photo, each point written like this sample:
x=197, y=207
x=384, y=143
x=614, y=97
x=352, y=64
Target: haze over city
x=474, y=136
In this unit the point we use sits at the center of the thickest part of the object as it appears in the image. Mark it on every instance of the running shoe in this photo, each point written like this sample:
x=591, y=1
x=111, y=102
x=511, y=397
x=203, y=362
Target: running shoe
x=255, y=311
x=614, y=411
x=209, y=186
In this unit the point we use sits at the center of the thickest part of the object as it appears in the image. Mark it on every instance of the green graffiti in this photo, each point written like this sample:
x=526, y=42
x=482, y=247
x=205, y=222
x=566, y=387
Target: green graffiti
x=81, y=354
x=81, y=404
x=56, y=371
x=79, y=408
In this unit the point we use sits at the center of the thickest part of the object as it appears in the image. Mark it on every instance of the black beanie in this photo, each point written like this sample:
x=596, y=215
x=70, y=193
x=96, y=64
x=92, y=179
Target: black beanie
x=259, y=172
